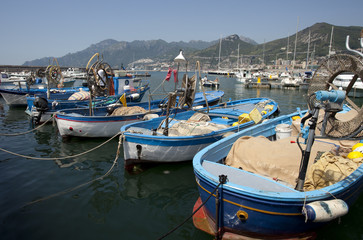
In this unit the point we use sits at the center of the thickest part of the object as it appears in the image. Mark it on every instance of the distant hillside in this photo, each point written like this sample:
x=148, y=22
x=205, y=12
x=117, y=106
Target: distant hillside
x=116, y=53
x=320, y=34
x=120, y=52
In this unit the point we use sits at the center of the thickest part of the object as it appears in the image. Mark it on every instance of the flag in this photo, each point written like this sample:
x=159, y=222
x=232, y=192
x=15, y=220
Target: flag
x=168, y=75
x=175, y=75
x=123, y=100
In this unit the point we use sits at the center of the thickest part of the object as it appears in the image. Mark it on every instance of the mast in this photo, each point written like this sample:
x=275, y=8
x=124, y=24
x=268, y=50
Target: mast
x=237, y=56
x=287, y=47
x=263, y=54
x=297, y=26
x=307, y=55
x=331, y=40
x=219, y=57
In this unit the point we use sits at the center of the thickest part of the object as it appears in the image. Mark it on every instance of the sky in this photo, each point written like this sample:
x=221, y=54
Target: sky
x=38, y=28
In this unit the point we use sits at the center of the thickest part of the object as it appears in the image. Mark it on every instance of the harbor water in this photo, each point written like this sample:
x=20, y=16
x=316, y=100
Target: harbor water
x=48, y=199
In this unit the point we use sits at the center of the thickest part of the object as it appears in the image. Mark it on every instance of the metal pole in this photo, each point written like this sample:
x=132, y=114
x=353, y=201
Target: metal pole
x=306, y=153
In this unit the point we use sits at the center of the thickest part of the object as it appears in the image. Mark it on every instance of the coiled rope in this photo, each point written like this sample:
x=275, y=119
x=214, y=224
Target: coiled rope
x=86, y=183
x=222, y=179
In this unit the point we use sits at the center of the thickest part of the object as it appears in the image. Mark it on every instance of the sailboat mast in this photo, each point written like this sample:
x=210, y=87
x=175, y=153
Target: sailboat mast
x=297, y=27
x=237, y=56
x=331, y=39
x=307, y=55
x=287, y=47
x=263, y=54
x=219, y=56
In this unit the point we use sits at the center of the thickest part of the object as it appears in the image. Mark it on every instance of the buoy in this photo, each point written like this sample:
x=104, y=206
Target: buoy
x=358, y=149
x=324, y=211
x=268, y=108
x=358, y=145
x=295, y=118
x=355, y=154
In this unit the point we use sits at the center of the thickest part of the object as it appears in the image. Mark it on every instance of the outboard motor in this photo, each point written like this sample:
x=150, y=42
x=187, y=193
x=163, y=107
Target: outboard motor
x=41, y=105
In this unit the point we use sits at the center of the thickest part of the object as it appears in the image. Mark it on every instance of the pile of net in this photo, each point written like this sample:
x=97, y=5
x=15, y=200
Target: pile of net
x=329, y=169
x=198, y=124
x=122, y=111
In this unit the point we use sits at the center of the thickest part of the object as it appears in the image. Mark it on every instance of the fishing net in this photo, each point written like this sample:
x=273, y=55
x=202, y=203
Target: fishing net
x=122, y=111
x=323, y=79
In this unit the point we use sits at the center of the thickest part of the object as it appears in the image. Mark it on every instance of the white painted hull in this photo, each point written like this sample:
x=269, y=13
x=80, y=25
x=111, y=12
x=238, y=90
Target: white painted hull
x=89, y=129
x=154, y=153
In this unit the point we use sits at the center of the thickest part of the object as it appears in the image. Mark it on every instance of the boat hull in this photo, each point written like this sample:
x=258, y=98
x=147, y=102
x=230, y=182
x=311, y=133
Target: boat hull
x=101, y=125
x=138, y=150
x=149, y=147
x=269, y=209
x=91, y=127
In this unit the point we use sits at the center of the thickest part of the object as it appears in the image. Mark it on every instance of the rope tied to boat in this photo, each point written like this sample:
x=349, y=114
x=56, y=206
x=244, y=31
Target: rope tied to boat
x=61, y=158
x=34, y=129
x=222, y=180
x=86, y=183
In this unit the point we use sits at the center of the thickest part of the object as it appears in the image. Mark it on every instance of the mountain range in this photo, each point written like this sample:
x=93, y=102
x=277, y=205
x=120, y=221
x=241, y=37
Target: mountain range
x=117, y=53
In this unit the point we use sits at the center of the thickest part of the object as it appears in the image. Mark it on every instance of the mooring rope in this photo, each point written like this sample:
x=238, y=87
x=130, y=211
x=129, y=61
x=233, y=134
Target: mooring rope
x=66, y=157
x=22, y=133
x=86, y=183
x=222, y=180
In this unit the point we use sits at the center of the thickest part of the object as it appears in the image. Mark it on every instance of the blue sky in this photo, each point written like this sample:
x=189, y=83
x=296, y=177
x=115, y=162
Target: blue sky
x=37, y=28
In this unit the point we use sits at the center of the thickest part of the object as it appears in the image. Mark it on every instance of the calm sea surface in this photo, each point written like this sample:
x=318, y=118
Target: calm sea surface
x=145, y=204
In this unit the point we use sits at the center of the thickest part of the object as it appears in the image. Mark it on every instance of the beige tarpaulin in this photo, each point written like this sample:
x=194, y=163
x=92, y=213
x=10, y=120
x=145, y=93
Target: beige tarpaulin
x=279, y=160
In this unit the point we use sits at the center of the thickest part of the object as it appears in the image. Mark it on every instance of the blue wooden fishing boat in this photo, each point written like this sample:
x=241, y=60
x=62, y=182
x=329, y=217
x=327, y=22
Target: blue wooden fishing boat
x=17, y=97
x=253, y=186
x=103, y=123
x=43, y=108
x=179, y=137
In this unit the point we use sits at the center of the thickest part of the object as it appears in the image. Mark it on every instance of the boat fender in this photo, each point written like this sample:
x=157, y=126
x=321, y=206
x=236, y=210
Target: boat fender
x=324, y=211
x=135, y=96
x=150, y=116
x=242, y=215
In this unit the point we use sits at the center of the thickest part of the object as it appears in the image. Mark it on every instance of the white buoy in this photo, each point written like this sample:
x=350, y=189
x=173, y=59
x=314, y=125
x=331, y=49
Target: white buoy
x=324, y=211
x=283, y=130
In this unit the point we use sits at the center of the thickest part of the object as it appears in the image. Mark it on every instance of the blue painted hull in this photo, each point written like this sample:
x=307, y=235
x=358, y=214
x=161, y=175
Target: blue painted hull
x=271, y=214
x=18, y=97
x=78, y=122
x=160, y=148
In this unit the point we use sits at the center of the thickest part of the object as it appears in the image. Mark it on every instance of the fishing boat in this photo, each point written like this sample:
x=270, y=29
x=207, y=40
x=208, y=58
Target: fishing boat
x=180, y=136
x=342, y=82
x=17, y=97
x=105, y=86
x=43, y=108
x=292, y=79
x=47, y=82
x=209, y=83
x=107, y=121
x=289, y=176
x=243, y=75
